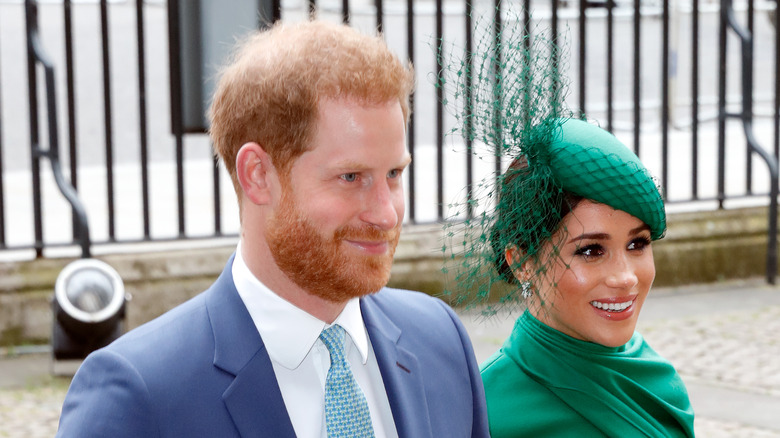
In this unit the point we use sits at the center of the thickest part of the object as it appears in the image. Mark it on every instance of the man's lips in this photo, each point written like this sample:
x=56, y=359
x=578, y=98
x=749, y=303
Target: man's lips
x=371, y=246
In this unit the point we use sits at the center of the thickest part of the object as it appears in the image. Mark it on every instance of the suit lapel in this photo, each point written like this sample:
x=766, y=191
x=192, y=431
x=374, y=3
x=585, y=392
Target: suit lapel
x=400, y=372
x=255, y=402
x=253, y=399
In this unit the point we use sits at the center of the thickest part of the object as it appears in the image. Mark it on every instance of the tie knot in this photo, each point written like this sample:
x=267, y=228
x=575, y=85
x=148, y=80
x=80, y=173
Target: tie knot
x=333, y=338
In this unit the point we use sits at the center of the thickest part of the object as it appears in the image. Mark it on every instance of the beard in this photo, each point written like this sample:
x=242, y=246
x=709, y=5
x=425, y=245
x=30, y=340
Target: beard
x=320, y=264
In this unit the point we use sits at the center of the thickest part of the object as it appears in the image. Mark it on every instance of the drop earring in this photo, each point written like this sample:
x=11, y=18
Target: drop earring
x=525, y=289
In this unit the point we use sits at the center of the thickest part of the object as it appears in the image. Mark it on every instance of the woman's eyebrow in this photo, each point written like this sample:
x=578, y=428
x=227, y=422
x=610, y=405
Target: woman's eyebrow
x=590, y=236
x=606, y=236
x=639, y=229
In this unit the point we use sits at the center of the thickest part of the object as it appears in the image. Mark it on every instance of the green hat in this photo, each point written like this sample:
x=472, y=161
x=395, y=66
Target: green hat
x=591, y=162
x=562, y=160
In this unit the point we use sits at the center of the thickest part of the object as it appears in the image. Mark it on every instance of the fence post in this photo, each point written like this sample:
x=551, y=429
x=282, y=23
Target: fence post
x=729, y=21
x=31, y=21
x=36, y=54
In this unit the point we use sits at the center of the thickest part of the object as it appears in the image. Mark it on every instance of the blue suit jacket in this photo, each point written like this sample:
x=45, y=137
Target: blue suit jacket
x=201, y=370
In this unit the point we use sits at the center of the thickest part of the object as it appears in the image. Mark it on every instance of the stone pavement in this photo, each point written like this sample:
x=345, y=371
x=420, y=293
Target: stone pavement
x=724, y=340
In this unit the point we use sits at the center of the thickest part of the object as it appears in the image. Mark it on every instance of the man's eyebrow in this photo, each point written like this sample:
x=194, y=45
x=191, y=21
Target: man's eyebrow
x=351, y=165
x=358, y=166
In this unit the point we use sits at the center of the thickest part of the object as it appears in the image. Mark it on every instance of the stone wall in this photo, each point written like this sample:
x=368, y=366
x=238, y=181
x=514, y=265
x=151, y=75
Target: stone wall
x=698, y=248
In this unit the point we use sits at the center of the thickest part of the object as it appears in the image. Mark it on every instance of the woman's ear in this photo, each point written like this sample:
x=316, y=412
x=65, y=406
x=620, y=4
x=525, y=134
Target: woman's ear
x=255, y=173
x=514, y=259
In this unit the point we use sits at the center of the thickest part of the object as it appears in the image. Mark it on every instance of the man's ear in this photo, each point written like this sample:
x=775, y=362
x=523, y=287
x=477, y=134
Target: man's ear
x=255, y=173
x=513, y=256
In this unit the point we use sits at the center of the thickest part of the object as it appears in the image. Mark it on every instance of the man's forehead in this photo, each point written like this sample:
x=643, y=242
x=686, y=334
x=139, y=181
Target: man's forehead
x=327, y=101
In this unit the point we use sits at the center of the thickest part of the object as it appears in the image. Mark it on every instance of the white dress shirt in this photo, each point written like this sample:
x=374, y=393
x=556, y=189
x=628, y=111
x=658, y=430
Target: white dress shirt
x=301, y=361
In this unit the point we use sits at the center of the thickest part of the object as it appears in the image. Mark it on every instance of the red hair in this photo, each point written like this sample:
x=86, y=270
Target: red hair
x=270, y=92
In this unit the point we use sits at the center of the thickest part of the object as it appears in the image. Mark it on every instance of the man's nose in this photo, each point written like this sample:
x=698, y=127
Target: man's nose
x=380, y=209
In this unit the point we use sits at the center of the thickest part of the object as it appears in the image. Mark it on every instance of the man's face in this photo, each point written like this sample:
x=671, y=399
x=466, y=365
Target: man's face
x=336, y=226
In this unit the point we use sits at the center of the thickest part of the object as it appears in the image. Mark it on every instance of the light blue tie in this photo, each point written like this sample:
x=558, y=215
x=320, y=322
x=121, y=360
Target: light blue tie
x=346, y=410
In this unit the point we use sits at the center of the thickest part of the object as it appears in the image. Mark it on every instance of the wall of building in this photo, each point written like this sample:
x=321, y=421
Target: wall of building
x=698, y=248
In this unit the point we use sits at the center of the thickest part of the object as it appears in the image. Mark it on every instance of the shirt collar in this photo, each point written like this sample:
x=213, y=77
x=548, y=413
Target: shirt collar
x=351, y=319
x=289, y=332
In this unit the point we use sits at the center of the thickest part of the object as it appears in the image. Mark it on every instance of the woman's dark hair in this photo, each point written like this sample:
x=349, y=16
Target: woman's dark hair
x=516, y=223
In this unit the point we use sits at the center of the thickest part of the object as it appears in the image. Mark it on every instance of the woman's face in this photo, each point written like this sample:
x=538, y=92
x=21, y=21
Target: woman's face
x=594, y=287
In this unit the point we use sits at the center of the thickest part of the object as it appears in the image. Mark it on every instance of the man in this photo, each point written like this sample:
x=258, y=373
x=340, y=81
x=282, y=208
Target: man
x=309, y=120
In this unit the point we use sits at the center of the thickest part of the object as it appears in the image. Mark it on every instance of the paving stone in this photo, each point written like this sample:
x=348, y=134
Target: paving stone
x=735, y=349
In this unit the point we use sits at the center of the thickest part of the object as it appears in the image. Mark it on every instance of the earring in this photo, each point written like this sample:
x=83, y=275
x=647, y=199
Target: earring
x=525, y=289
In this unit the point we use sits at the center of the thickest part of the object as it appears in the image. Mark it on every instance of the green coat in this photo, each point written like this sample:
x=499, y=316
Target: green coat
x=545, y=383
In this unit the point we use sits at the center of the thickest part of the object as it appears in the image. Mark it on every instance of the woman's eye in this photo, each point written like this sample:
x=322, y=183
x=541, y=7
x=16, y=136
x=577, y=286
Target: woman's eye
x=349, y=177
x=589, y=251
x=639, y=244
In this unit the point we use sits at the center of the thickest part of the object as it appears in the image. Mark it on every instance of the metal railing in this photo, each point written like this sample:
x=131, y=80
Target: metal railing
x=728, y=21
x=643, y=69
x=37, y=55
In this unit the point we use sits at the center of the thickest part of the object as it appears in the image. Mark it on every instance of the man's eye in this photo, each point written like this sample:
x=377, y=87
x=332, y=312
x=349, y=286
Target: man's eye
x=349, y=177
x=393, y=173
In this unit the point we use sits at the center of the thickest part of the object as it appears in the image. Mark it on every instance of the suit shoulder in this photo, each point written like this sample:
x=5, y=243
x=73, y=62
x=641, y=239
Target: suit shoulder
x=410, y=303
x=415, y=312
x=183, y=331
x=177, y=318
x=404, y=297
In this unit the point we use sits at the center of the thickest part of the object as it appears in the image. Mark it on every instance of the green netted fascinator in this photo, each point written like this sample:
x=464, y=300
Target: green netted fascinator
x=591, y=162
x=508, y=96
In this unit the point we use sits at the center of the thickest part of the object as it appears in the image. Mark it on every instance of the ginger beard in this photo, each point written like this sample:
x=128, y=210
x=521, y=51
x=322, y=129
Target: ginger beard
x=318, y=264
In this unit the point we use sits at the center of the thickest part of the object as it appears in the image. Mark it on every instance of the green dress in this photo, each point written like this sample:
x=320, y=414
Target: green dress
x=545, y=383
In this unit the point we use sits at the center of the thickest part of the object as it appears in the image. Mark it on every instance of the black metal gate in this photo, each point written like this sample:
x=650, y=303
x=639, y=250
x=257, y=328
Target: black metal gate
x=697, y=112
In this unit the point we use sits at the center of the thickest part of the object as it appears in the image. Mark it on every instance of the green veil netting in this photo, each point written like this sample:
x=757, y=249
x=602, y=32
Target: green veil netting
x=508, y=99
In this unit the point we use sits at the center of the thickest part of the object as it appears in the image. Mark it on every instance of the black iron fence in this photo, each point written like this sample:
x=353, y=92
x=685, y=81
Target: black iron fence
x=692, y=86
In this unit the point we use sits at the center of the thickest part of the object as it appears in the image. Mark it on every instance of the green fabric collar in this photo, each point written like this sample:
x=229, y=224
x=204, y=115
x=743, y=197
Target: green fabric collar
x=624, y=391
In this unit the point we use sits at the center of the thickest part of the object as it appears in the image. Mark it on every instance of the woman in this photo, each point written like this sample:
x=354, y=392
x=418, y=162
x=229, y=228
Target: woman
x=565, y=234
x=574, y=229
